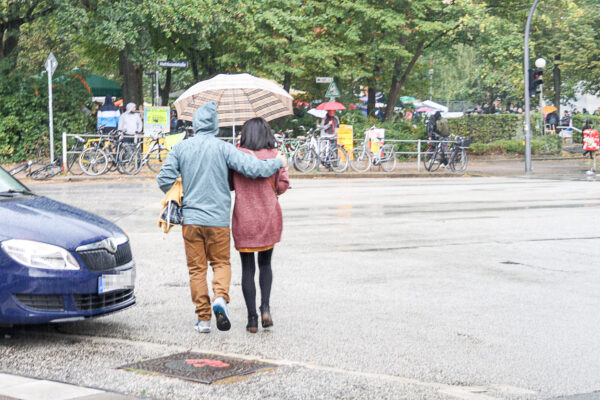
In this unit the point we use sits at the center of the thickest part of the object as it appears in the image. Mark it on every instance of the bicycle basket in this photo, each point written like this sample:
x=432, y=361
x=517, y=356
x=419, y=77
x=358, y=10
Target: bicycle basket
x=465, y=142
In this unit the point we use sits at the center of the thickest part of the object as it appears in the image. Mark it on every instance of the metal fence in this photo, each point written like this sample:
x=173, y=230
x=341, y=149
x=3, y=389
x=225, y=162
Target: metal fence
x=416, y=144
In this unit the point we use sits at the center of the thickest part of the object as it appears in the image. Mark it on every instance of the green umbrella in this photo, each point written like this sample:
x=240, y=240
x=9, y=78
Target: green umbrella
x=407, y=99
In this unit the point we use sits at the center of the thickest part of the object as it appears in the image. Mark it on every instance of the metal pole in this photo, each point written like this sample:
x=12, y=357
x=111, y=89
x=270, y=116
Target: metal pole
x=419, y=155
x=64, y=151
x=527, y=105
x=542, y=108
x=157, y=90
x=50, y=117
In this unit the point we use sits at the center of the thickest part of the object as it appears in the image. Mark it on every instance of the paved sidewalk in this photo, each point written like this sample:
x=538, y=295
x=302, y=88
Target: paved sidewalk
x=15, y=387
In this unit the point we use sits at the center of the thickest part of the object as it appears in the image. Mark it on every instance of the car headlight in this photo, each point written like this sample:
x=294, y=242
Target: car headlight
x=39, y=255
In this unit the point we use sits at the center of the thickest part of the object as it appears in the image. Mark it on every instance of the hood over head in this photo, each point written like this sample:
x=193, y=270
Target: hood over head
x=108, y=100
x=129, y=107
x=205, y=120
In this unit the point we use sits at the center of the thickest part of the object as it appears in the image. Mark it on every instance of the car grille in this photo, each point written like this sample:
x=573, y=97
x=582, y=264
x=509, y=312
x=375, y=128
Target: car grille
x=102, y=260
x=92, y=302
x=42, y=301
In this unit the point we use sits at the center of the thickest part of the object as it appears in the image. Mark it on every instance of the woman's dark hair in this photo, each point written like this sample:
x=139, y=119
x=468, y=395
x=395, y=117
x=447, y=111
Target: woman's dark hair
x=256, y=135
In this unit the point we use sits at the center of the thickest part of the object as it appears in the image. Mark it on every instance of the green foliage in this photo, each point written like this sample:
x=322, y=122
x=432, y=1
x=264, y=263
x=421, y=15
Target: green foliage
x=543, y=145
x=24, y=113
x=484, y=128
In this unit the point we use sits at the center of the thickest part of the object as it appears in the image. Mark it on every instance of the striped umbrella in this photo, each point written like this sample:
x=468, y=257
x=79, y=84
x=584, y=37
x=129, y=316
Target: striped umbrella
x=239, y=97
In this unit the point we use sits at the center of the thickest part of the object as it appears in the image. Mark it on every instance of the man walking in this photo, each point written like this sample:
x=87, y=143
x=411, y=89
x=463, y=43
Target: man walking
x=203, y=162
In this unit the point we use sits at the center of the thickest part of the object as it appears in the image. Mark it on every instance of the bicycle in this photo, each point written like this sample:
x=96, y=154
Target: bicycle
x=323, y=150
x=287, y=146
x=29, y=166
x=457, y=158
x=153, y=157
x=73, y=155
x=361, y=157
x=107, y=153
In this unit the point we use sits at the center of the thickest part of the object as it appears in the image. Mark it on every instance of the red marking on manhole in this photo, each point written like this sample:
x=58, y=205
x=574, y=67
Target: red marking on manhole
x=206, y=362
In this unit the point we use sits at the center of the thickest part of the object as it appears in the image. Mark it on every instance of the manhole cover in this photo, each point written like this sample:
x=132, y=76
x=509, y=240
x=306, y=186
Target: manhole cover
x=199, y=367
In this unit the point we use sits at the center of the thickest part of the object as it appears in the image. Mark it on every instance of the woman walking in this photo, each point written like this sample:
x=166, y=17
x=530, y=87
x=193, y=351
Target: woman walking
x=257, y=221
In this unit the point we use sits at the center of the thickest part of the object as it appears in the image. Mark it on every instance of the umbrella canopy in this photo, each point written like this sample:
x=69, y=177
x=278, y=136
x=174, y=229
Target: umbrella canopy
x=317, y=113
x=239, y=97
x=331, y=105
x=425, y=109
x=407, y=99
x=549, y=109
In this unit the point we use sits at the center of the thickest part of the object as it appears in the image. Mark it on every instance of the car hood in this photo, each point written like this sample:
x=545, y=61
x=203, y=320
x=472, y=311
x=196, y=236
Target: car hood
x=48, y=221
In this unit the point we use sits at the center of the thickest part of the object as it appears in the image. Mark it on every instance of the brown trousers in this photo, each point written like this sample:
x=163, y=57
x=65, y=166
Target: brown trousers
x=202, y=244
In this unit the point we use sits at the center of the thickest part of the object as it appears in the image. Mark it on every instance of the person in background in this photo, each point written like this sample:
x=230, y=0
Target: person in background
x=108, y=115
x=552, y=120
x=257, y=221
x=566, y=119
x=330, y=123
x=203, y=162
x=130, y=122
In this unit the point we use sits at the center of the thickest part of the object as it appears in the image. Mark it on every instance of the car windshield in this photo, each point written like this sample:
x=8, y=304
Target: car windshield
x=8, y=183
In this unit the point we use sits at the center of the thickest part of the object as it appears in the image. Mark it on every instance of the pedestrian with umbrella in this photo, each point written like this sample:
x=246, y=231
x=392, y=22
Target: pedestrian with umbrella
x=331, y=122
x=203, y=162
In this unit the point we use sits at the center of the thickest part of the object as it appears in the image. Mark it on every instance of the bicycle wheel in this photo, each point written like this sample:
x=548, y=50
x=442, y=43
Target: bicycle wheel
x=360, y=159
x=427, y=157
x=46, y=172
x=93, y=161
x=72, y=161
x=459, y=160
x=128, y=159
x=156, y=158
x=434, y=161
x=388, y=158
x=338, y=159
x=305, y=159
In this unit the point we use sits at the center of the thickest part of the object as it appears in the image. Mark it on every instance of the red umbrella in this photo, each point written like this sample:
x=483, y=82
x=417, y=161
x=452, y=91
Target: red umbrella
x=331, y=105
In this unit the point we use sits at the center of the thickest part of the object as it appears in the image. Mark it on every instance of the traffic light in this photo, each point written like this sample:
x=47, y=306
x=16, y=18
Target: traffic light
x=535, y=80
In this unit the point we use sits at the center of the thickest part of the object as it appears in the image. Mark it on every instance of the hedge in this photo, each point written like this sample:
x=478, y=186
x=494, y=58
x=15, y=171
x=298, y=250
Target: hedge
x=550, y=144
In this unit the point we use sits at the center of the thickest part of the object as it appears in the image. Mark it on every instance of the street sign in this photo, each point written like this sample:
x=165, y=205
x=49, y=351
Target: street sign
x=324, y=79
x=51, y=64
x=332, y=90
x=173, y=64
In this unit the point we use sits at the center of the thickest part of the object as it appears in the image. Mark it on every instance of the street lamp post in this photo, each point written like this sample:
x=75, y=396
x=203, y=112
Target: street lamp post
x=540, y=63
x=527, y=105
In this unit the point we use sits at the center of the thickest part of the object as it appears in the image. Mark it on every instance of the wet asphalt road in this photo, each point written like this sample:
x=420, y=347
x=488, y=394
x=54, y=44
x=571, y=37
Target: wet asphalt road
x=456, y=288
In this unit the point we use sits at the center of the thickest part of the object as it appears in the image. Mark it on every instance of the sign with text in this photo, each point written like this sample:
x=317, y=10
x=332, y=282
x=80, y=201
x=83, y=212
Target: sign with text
x=173, y=64
x=157, y=120
x=324, y=79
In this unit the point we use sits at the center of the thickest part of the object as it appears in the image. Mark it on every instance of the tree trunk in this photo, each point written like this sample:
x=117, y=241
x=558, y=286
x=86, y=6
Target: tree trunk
x=9, y=40
x=132, y=79
x=371, y=100
x=398, y=82
x=164, y=93
x=194, y=64
x=287, y=81
x=556, y=73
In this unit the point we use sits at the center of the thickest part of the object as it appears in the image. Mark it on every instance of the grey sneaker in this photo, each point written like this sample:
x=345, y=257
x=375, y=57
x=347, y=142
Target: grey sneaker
x=202, y=326
x=222, y=314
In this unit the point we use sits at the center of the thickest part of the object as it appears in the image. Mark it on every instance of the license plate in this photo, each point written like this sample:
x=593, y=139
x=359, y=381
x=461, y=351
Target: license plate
x=119, y=281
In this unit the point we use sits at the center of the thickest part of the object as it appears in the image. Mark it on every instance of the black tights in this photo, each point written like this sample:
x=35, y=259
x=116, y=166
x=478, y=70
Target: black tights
x=265, y=279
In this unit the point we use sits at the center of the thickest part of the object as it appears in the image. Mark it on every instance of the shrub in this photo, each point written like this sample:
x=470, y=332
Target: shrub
x=551, y=144
x=24, y=112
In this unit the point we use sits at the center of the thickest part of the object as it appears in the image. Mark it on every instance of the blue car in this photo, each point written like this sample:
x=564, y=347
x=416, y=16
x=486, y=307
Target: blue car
x=58, y=263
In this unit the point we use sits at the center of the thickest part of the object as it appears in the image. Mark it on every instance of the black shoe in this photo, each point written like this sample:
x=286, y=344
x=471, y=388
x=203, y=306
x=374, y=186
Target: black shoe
x=252, y=326
x=265, y=316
